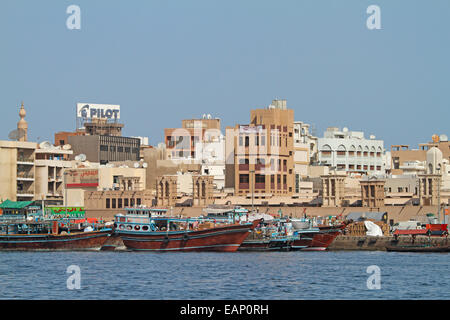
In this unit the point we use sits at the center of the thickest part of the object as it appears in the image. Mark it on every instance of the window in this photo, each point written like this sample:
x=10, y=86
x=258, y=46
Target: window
x=103, y=148
x=125, y=202
x=138, y=201
x=108, y=203
x=113, y=203
x=260, y=178
x=119, y=203
x=243, y=178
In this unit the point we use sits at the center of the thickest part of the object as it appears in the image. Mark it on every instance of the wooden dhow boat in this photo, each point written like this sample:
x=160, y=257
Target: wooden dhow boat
x=44, y=236
x=142, y=231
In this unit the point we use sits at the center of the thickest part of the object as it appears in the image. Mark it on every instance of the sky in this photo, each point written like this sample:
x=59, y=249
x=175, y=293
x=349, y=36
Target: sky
x=164, y=61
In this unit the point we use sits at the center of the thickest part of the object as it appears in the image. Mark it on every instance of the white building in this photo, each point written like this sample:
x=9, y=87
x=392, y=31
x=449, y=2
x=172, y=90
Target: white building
x=305, y=151
x=349, y=151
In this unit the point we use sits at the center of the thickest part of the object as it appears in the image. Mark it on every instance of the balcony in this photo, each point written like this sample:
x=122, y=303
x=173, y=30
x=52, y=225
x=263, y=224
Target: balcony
x=260, y=185
x=25, y=160
x=25, y=176
x=243, y=167
x=260, y=166
x=25, y=193
x=244, y=185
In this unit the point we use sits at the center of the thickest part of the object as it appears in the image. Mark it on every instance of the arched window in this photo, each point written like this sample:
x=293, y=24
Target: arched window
x=341, y=151
x=325, y=151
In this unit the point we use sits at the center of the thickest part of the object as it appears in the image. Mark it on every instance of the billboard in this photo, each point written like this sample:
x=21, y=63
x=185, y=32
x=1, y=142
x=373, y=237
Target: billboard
x=82, y=178
x=98, y=111
x=61, y=212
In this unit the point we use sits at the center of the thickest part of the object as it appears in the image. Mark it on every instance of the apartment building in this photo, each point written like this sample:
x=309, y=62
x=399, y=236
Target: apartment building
x=350, y=152
x=263, y=152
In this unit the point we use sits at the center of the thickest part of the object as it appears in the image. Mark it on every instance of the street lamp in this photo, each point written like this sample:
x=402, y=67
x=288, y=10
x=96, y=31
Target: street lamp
x=438, y=168
x=253, y=186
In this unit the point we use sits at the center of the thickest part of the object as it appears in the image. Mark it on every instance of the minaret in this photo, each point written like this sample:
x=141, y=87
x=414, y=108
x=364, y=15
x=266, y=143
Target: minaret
x=22, y=124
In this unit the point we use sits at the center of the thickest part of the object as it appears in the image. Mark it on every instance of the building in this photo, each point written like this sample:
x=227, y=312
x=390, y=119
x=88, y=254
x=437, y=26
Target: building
x=197, y=139
x=350, y=152
x=90, y=177
x=108, y=203
x=405, y=159
x=305, y=152
x=260, y=156
x=62, y=137
x=434, y=185
x=50, y=164
x=372, y=192
x=104, y=149
x=198, y=189
x=333, y=189
x=18, y=170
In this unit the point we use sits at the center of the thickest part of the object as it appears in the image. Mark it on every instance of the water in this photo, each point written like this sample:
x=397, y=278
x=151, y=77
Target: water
x=247, y=276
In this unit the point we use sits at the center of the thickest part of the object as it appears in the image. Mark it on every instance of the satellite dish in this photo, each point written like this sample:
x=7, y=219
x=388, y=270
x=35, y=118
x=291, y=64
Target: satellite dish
x=16, y=134
x=444, y=138
x=136, y=165
x=80, y=157
x=345, y=129
x=45, y=145
x=67, y=147
x=87, y=163
x=145, y=165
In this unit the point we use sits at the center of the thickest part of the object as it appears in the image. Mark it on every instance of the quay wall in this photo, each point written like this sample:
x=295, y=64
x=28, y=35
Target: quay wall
x=368, y=243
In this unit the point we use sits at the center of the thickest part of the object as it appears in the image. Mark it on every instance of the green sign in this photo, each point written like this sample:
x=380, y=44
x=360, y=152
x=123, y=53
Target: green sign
x=63, y=212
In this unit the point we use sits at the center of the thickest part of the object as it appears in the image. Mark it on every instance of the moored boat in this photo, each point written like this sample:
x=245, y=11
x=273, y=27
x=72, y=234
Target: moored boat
x=325, y=237
x=142, y=232
x=41, y=237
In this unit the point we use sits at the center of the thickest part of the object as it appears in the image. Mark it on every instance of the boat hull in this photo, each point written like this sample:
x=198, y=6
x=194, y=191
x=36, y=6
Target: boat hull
x=222, y=239
x=93, y=240
x=266, y=245
x=324, y=238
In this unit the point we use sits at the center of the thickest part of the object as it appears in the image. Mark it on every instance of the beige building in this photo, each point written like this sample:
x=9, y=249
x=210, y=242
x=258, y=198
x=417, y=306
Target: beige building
x=17, y=163
x=108, y=203
x=49, y=173
x=405, y=159
x=260, y=156
x=333, y=189
x=372, y=192
x=95, y=177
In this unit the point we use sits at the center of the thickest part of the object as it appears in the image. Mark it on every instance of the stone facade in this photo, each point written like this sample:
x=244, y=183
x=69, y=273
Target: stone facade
x=372, y=193
x=333, y=190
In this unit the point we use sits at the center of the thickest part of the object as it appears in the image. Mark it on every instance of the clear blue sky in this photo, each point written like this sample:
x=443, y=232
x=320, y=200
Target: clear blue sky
x=164, y=61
